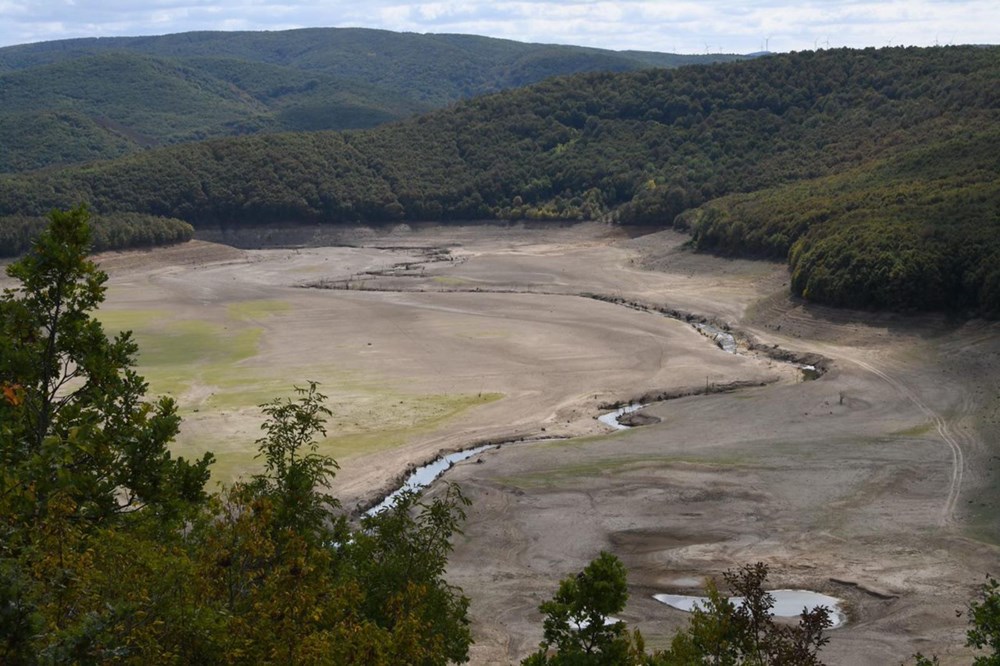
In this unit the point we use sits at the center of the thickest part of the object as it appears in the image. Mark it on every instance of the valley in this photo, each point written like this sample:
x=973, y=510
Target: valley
x=874, y=483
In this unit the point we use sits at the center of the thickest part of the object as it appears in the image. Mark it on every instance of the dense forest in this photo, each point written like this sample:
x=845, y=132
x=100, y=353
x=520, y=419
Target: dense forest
x=874, y=171
x=918, y=230
x=77, y=100
x=116, y=231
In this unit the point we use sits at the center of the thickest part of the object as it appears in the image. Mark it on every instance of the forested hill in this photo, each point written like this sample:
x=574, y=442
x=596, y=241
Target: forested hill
x=876, y=140
x=76, y=100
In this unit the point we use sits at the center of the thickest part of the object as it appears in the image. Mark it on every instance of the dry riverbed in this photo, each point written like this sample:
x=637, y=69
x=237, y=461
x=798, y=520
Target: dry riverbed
x=873, y=483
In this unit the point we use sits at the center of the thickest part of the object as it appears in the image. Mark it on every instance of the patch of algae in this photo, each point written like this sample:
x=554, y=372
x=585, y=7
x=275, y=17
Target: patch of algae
x=256, y=309
x=915, y=431
x=386, y=419
x=175, y=353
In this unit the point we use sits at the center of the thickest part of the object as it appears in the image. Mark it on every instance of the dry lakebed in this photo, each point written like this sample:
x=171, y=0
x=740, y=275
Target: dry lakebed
x=871, y=479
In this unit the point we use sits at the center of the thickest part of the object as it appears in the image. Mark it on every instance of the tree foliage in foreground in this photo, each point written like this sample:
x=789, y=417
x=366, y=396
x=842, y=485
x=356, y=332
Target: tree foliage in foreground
x=74, y=423
x=983, y=633
x=111, y=550
x=579, y=629
x=984, y=623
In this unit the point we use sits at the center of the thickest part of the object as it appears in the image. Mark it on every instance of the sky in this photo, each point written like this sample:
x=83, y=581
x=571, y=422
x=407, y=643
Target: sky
x=678, y=26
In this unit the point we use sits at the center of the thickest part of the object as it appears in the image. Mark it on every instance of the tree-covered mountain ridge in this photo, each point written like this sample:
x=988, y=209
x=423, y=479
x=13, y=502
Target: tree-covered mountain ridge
x=870, y=164
x=76, y=100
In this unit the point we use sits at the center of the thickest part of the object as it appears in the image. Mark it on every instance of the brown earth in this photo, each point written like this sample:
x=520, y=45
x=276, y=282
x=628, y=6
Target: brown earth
x=875, y=483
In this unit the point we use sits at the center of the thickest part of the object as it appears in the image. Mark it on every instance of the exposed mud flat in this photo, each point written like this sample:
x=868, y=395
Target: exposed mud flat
x=877, y=476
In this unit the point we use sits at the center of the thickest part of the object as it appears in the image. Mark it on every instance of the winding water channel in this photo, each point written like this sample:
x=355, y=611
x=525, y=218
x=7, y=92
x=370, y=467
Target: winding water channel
x=787, y=603
x=426, y=474
x=726, y=341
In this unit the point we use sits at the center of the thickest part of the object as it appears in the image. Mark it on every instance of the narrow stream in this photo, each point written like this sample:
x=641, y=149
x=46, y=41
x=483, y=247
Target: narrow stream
x=425, y=475
x=788, y=603
x=725, y=340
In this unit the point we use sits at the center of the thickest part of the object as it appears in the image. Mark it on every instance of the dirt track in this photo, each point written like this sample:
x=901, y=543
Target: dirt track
x=879, y=473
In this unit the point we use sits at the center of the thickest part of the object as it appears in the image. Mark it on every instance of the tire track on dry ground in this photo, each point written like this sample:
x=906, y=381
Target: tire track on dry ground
x=944, y=431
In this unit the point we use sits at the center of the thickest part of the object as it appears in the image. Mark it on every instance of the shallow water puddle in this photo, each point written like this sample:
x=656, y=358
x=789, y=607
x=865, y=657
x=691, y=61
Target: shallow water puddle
x=787, y=603
x=611, y=418
x=809, y=372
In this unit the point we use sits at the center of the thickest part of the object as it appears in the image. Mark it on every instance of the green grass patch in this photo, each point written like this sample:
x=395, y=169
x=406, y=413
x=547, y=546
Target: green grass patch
x=366, y=425
x=230, y=465
x=176, y=354
x=238, y=388
x=258, y=309
x=193, y=342
x=200, y=364
x=449, y=280
x=915, y=431
x=558, y=476
x=115, y=321
x=189, y=352
x=365, y=419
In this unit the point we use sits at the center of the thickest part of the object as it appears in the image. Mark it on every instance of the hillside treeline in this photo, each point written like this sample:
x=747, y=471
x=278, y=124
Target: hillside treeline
x=76, y=100
x=644, y=146
x=116, y=231
x=920, y=230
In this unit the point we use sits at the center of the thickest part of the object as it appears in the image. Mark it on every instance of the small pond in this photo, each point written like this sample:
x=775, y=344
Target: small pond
x=787, y=603
x=611, y=418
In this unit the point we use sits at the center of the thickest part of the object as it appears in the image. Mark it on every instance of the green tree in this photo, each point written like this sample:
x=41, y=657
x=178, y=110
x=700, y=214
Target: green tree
x=399, y=558
x=579, y=629
x=19, y=617
x=712, y=635
x=295, y=585
x=108, y=553
x=73, y=418
x=984, y=626
x=725, y=633
x=293, y=470
x=267, y=549
x=984, y=618
x=89, y=493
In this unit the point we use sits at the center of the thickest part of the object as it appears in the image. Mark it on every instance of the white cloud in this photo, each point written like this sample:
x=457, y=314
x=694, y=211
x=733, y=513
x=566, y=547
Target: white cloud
x=675, y=25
